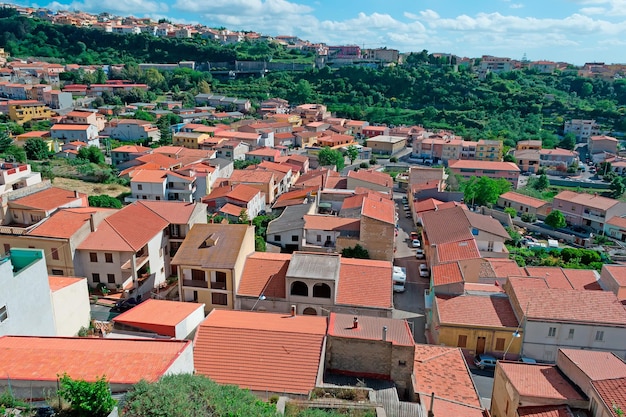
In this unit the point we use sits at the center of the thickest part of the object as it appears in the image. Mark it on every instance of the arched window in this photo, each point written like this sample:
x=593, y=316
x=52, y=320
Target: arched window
x=299, y=288
x=309, y=311
x=321, y=291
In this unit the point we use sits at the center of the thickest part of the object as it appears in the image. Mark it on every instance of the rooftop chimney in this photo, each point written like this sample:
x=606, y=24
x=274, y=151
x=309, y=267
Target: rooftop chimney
x=92, y=223
x=432, y=400
x=293, y=310
x=355, y=323
x=76, y=194
x=384, y=333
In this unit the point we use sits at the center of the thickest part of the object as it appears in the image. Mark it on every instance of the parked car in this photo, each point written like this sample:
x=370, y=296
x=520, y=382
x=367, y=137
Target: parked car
x=404, y=199
x=483, y=361
x=419, y=254
x=406, y=207
x=527, y=360
x=399, y=279
x=414, y=235
x=424, y=272
x=126, y=304
x=415, y=243
x=408, y=214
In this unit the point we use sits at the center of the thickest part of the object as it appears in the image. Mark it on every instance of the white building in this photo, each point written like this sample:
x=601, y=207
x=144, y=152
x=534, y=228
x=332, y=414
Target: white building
x=582, y=129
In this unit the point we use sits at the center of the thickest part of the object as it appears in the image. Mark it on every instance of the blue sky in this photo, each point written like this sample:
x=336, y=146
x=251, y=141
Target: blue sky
x=575, y=31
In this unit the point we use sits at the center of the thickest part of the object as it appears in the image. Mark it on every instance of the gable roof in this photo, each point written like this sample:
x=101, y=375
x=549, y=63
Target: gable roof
x=322, y=222
x=378, y=208
x=48, y=199
x=456, y=251
x=127, y=230
x=57, y=283
x=596, y=365
x=443, y=226
x=158, y=316
x=545, y=411
x=612, y=392
x=523, y=199
x=370, y=328
x=264, y=274
x=149, y=176
x=365, y=283
x=448, y=273
x=584, y=199
x=30, y=358
x=212, y=246
x=174, y=212
x=540, y=381
x=260, y=351
x=379, y=178
x=476, y=310
x=486, y=224
x=65, y=222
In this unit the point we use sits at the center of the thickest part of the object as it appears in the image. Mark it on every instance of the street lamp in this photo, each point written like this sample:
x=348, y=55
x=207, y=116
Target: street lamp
x=261, y=298
x=516, y=334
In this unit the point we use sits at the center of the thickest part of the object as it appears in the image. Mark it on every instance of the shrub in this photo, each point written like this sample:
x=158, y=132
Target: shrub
x=529, y=217
x=364, y=165
x=88, y=399
x=511, y=211
x=393, y=159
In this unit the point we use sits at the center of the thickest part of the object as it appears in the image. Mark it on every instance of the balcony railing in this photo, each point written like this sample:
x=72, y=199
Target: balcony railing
x=218, y=285
x=196, y=283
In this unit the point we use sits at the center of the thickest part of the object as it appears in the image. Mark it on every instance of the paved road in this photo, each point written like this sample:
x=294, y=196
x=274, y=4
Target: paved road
x=483, y=379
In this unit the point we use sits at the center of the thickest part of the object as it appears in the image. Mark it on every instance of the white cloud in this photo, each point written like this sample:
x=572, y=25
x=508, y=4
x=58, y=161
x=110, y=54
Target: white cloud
x=516, y=6
x=259, y=8
x=607, y=7
x=122, y=7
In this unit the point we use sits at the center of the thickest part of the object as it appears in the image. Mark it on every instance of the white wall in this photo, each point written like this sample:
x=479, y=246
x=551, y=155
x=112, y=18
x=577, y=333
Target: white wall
x=187, y=326
x=183, y=363
x=26, y=297
x=71, y=308
x=538, y=345
x=150, y=190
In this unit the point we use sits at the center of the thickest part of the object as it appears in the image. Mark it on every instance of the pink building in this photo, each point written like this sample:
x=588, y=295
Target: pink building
x=590, y=210
x=491, y=169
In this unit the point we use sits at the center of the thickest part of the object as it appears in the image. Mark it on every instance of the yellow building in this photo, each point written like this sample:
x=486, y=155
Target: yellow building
x=22, y=111
x=489, y=150
x=53, y=144
x=210, y=262
x=190, y=140
x=477, y=324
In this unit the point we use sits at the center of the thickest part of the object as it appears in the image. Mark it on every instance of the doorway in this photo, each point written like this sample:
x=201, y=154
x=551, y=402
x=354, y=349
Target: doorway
x=480, y=345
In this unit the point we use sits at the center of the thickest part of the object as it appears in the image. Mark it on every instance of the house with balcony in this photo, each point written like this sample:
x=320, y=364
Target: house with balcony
x=321, y=232
x=36, y=206
x=524, y=204
x=452, y=150
x=263, y=180
x=242, y=196
x=14, y=176
x=210, y=262
x=82, y=117
x=582, y=129
x=553, y=158
x=66, y=133
x=491, y=169
x=587, y=210
x=148, y=184
x=126, y=252
x=316, y=283
x=602, y=144
x=529, y=144
x=489, y=150
x=22, y=111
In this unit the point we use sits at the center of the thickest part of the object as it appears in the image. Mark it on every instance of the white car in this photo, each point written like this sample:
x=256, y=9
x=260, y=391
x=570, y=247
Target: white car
x=419, y=254
x=424, y=272
x=415, y=243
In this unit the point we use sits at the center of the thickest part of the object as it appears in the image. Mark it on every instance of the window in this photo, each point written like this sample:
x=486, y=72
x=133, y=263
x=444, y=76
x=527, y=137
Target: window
x=220, y=281
x=7, y=248
x=175, y=230
x=276, y=238
x=319, y=238
x=474, y=231
x=108, y=258
x=3, y=314
x=93, y=257
x=321, y=291
x=219, y=299
x=57, y=272
x=111, y=278
x=294, y=238
x=299, y=288
x=490, y=246
x=570, y=335
x=599, y=335
x=96, y=278
x=55, y=254
x=139, y=187
x=462, y=341
x=198, y=275
x=552, y=332
x=499, y=344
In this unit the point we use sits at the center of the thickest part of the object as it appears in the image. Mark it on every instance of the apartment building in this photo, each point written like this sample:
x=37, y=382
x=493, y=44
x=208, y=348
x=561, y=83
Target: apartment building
x=588, y=210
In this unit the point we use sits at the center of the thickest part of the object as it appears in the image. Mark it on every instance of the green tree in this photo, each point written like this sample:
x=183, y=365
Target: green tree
x=164, y=126
x=555, y=219
x=516, y=236
x=509, y=158
x=204, y=87
x=15, y=154
x=100, y=76
x=92, y=154
x=541, y=183
x=357, y=251
x=104, y=201
x=568, y=141
x=511, y=211
x=617, y=187
x=36, y=148
x=243, y=216
x=328, y=156
x=193, y=395
x=352, y=152
x=484, y=191
x=5, y=140
x=87, y=399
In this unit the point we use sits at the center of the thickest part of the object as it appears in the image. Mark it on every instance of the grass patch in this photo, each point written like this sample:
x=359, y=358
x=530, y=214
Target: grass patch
x=91, y=188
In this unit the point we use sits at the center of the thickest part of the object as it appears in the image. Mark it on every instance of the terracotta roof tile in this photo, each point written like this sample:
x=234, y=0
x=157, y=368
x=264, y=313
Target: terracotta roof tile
x=243, y=193
x=448, y=273
x=545, y=411
x=57, y=283
x=159, y=159
x=264, y=273
x=565, y=305
x=132, y=149
x=158, y=316
x=443, y=226
x=443, y=407
x=430, y=204
x=523, y=199
x=617, y=221
x=504, y=268
x=540, y=381
x=260, y=351
x=28, y=358
x=582, y=279
x=554, y=276
x=584, y=199
x=352, y=202
x=149, y=176
x=231, y=209
x=174, y=212
x=50, y=199
x=456, y=251
x=443, y=370
x=127, y=230
x=381, y=209
x=370, y=328
x=595, y=364
x=371, y=176
x=321, y=222
x=618, y=272
x=365, y=283
x=252, y=176
x=476, y=310
x=65, y=222
x=491, y=165
x=613, y=393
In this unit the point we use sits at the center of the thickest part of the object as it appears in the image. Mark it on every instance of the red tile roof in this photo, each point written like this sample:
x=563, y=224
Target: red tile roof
x=49, y=199
x=67, y=126
x=321, y=222
x=481, y=165
x=29, y=358
x=174, y=212
x=381, y=209
x=448, y=273
x=132, y=149
x=617, y=221
x=231, y=209
x=613, y=394
x=379, y=178
x=243, y=193
x=563, y=305
x=523, y=199
x=545, y=411
x=443, y=370
x=159, y=159
x=370, y=328
x=260, y=351
x=65, y=222
x=554, y=276
x=429, y=204
x=618, y=272
x=128, y=230
x=476, y=310
x=158, y=316
x=582, y=279
x=456, y=251
x=504, y=268
x=57, y=283
x=443, y=226
x=264, y=273
x=252, y=176
x=540, y=381
x=149, y=176
x=584, y=199
x=365, y=283
x=595, y=364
